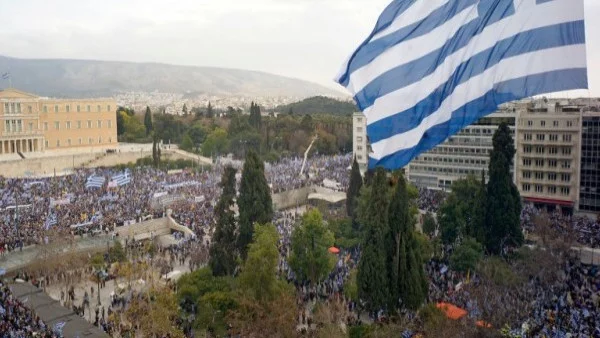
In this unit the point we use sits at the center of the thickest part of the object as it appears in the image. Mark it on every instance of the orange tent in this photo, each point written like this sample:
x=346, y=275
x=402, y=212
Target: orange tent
x=452, y=311
x=334, y=250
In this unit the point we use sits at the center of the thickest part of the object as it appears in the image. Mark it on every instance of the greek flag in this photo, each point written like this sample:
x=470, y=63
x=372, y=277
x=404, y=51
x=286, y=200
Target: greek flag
x=5, y=76
x=432, y=67
x=58, y=328
x=95, y=182
x=123, y=178
x=51, y=220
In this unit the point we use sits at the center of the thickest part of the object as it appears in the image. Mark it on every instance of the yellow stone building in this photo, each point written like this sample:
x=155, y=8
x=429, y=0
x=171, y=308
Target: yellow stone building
x=30, y=123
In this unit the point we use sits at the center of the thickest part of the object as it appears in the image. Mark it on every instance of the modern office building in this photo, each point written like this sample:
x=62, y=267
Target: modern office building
x=33, y=124
x=360, y=144
x=463, y=154
x=589, y=188
x=548, y=154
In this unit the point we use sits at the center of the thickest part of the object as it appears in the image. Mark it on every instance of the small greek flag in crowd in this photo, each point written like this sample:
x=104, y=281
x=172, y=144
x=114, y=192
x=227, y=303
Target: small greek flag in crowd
x=95, y=182
x=432, y=67
x=51, y=220
x=58, y=327
x=123, y=178
x=5, y=76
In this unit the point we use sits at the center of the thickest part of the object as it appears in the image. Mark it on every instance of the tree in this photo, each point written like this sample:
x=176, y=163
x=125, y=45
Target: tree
x=209, y=111
x=120, y=123
x=503, y=202
x=254, y=202
x=185, y=109
x=255, y=116
x=356, y=183
x=258, y=278
x=197, y=134
x=372, y=278
x=116, y=253
x=187, y=143
x=407, y=280
x=216, y=143
x=148, y=121
x=310, y=258
x=223, y=250
x=155, y=314
x=155, y=152
x=466, y=256
x=429, y=224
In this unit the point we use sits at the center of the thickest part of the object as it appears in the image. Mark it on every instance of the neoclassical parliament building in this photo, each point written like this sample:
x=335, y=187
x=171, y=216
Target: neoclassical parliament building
x=35, y=124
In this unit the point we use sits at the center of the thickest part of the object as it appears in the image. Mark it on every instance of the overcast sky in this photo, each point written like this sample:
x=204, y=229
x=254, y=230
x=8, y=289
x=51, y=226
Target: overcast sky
x=307, y=39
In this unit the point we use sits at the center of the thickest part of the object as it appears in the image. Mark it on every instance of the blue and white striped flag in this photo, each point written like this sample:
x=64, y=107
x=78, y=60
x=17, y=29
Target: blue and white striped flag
x=95, y=182
x=51, y=220
x=432, y=67
x=5, y=76
x=123, y=178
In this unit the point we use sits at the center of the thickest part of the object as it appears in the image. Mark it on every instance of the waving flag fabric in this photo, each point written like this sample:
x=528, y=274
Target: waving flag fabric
x=51, y=220
x=121, y=179
x=432, y=67
x=95, y=182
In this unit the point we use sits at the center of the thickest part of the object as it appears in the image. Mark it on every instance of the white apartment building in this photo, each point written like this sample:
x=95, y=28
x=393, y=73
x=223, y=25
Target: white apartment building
x=549, y=153
x=463, y=154
x=360, y=145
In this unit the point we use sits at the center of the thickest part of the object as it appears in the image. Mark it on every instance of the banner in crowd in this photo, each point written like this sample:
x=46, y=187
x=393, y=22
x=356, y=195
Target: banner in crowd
x=181, y=185
x=81, y=225
x=200, y=199
x=174, y=171
x=160, y=194
x=62, y=201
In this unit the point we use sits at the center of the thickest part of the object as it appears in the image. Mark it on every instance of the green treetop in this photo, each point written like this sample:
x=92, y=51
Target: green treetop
x=254, y=202
x=310, y=258
x=223, y=250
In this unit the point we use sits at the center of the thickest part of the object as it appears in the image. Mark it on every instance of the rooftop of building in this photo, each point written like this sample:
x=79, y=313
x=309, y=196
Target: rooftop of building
x=16, y=94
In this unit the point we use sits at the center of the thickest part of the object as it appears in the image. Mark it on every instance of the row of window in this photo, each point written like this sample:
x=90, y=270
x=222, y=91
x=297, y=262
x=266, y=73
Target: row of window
x=539, y=175
x=80, y=142
x=551, y=137
x=15, y=108
x=13, y=126
x=527, y=149
x=452, y=160
x=99, y=124
x=446, y=170
x=550, y=190
x=88, y=108
x=527, y=162
x=555, y=123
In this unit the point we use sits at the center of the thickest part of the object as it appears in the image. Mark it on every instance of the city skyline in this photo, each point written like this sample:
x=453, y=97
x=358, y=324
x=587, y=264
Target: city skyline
x=303, y=39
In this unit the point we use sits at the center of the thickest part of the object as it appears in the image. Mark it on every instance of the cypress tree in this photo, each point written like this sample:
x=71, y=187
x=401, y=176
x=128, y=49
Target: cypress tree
x=405, y=264
x=372, y=278
x=185, y=109
x=223, y=250
x=148, y=121
x=503, y=202
x=356, y=183
x=209, y=111
x=255, y=204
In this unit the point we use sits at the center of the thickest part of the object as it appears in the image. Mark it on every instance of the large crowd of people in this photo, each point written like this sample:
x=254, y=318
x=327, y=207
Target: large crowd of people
x=17, y=320
x=568, y=305
x=28, y=207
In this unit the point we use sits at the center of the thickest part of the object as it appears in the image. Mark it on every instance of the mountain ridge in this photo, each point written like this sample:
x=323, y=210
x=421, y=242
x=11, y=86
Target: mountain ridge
x=94, y=78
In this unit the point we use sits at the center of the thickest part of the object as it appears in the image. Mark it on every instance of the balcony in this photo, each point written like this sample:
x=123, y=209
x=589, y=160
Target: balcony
x=21, y=135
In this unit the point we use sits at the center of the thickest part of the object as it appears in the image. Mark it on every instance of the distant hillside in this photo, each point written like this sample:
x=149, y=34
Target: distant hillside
x=318, y=105
x=81, y=78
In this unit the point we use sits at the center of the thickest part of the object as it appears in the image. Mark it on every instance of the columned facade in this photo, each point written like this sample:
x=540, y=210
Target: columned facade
x=22, y=145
